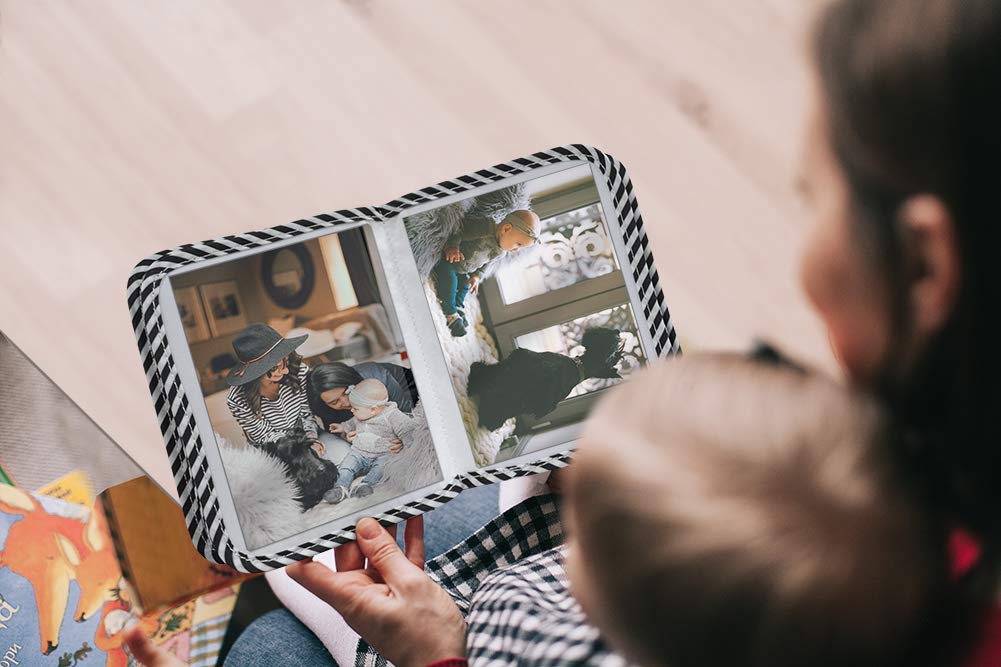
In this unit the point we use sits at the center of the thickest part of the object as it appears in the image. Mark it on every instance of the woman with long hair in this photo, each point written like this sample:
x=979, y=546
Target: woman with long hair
x=267, y=396
x=900, y=174
x=327, y=384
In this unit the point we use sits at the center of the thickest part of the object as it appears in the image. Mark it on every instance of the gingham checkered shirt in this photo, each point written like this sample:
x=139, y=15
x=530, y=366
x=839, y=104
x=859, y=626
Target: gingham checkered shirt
x=509, y=582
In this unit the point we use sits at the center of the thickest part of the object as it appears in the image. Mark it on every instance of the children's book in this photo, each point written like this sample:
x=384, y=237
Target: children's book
x=64, y=599
x=73, y=487
x=376, y=361
x=155, y=555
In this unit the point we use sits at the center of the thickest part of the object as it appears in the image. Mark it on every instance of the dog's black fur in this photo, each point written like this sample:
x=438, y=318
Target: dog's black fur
x=312, y=475
x=534, y=383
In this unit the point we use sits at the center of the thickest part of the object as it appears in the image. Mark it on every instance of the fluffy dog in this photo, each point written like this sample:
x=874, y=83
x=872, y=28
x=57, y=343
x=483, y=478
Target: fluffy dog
x=312, y=475
x=528, y=382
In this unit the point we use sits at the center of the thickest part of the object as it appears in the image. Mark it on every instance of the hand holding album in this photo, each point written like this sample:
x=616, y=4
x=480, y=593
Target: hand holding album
x=488, y=315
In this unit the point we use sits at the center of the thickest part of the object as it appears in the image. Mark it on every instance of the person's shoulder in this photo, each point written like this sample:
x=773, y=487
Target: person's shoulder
x=234, y=395
x=370, y=370
x=376, y=370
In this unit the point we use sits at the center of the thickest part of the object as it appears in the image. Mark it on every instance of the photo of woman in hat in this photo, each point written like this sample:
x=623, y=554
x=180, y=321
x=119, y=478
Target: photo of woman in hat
x=267, y=396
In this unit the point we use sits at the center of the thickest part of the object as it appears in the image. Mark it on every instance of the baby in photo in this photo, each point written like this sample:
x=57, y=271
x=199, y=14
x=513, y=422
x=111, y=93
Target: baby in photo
x=469, y=251
x=376, y=432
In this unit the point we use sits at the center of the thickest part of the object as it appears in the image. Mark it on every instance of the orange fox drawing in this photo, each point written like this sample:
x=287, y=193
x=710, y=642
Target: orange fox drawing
x=50, y=551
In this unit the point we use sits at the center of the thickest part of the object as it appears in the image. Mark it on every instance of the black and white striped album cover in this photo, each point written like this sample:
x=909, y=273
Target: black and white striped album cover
x=376, y=361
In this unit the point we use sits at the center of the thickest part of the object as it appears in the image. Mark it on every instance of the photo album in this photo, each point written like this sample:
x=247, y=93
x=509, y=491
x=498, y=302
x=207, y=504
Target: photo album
x=377, y=361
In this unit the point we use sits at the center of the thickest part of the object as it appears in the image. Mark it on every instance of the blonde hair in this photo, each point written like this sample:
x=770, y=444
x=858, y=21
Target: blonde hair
x=732, y=511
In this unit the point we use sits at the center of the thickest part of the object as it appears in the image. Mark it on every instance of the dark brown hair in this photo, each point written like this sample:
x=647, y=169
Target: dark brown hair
x=252, y=390
x=912, y=90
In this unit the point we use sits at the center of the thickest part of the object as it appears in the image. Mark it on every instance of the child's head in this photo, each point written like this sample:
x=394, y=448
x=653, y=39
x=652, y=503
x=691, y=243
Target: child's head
x=729, y=511
x=368, y=398
x=519, y=229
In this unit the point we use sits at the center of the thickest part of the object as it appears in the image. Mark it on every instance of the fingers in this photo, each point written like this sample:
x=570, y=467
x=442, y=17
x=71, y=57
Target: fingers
x=146, y=652
x=338, y=589
x=413, y=540
x=370, y=568
x=383, y=554
x=348, y=557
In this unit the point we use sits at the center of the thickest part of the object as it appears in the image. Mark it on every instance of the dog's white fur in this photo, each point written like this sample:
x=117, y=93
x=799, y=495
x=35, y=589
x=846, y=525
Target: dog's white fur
x=264, y=497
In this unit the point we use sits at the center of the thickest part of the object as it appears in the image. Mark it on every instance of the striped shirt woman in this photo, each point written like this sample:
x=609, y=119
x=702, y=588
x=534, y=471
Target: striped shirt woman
x=268, y=396
x=274, y=417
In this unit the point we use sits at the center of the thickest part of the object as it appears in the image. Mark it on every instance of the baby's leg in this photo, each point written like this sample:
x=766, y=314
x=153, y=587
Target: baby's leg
x=375, y=471
x=461, y=289
x=349, y=468
x=446, y=281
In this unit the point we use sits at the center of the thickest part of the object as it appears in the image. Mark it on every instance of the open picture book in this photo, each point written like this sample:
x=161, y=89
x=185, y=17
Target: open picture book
x=376, y=361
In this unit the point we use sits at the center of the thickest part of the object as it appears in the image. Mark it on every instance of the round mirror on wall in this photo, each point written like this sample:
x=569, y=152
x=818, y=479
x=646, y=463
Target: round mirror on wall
x=288, y=274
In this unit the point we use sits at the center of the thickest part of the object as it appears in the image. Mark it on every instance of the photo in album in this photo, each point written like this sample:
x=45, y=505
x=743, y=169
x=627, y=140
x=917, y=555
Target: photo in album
x=530, y=306
x=307, y=384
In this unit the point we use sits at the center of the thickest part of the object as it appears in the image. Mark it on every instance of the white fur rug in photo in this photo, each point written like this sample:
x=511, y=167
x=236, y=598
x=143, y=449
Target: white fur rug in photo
x=264, y=497
x=460, y=353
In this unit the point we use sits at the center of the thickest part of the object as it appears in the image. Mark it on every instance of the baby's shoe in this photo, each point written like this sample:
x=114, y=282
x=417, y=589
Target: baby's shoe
x=461, y=312
x=455, y=325
x=335, y=495
x=362, y=490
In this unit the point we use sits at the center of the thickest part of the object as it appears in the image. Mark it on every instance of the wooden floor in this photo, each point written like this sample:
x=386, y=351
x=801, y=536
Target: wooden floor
x=127, y=127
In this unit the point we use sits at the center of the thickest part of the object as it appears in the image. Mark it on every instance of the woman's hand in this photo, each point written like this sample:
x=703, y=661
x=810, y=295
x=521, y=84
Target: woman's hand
x=396, y=447
x=318, y=447
x=146, y=652
x=391, y=603
x=453, y=255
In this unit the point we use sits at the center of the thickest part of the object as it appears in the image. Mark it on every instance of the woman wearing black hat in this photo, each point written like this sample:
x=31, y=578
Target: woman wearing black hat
x=268, y=398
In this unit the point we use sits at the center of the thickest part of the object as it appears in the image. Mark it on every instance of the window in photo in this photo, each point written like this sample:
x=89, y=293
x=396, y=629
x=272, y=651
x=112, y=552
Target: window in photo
x=574, y=247
x=530, y=306
x=567, y=338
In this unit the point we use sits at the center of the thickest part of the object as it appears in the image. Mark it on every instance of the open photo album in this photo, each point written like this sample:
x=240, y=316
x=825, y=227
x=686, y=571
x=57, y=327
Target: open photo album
x=376, y=361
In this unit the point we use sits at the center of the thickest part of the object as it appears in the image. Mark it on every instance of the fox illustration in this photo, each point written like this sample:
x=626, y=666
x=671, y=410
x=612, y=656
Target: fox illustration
x=50, y=551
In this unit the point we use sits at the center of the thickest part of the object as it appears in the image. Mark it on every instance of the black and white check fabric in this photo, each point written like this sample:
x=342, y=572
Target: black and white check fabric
x=509, y=581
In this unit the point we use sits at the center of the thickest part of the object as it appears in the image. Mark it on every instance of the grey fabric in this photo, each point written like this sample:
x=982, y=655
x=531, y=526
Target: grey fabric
x=385, y=427
x=44, y=435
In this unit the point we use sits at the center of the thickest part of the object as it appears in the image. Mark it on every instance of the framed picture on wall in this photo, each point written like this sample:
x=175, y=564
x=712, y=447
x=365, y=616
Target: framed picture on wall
x=189, y=306
x=223, y=307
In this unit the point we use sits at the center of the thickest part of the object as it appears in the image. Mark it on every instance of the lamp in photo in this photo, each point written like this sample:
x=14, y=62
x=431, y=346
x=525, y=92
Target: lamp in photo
x=337, y=272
